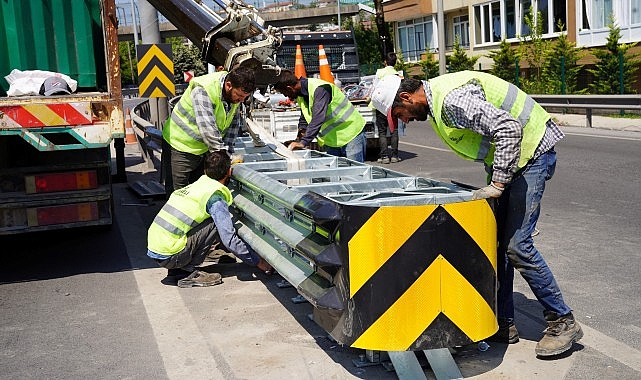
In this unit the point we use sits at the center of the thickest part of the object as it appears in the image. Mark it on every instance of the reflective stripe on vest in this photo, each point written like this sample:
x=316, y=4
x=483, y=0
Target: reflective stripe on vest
x=471, y=145
x=181, y=131
x=185, y=209
x=342, y=121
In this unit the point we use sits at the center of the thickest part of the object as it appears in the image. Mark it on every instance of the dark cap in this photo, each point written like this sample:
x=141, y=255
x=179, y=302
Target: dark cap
x=54, y=86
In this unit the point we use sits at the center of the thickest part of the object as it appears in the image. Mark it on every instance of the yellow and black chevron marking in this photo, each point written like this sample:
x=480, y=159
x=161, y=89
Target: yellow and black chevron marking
x=420, y=277
x=155, y=71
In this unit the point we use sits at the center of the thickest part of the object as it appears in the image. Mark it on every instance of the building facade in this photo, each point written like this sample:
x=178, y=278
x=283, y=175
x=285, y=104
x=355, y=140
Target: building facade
x=480, y=25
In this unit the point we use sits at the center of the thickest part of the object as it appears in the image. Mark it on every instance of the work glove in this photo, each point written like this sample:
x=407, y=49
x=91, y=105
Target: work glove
x=489, y=191
x=237, y=159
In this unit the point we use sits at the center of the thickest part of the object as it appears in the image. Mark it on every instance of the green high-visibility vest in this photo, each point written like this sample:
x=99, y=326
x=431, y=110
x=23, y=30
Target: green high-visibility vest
x=185, y=209
x=342, y=121
x=181, y=131
x=502, y=94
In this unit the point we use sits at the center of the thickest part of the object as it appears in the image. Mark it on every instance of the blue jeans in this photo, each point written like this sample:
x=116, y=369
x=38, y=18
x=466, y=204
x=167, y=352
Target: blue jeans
x=354, y=150
x=517, y=211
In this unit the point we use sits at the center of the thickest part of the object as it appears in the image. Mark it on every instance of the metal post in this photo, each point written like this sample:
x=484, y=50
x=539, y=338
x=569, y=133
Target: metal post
x=563, y=75
x=133, y=19
x=440, y=20
x=339, y=13
x=621, y=85
x=150, y=31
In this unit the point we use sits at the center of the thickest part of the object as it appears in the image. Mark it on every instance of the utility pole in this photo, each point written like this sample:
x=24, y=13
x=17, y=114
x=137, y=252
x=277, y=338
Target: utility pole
x=440, y=21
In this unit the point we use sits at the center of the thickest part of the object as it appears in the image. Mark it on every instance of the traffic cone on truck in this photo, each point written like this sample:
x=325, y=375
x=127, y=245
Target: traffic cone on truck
x=323, y=64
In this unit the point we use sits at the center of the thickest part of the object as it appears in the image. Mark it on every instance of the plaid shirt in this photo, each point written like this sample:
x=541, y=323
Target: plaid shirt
x=466, y=107
x=206, y=121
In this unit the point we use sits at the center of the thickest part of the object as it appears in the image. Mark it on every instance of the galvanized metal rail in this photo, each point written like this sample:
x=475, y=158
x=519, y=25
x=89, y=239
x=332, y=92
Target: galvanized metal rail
x=345, y=233
x=589, y=103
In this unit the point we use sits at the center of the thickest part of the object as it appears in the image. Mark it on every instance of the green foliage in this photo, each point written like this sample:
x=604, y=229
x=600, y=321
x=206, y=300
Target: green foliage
x=401, y=65
x=607, y=71
x=186, y=57
x=128, y=63
x=429, y=66
x=504, y=62
x=459, y=60
x=561, y=70
x=367, y=42
x=535, y=50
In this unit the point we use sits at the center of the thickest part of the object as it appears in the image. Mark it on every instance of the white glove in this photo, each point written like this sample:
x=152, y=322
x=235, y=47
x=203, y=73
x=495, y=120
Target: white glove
x=237, y=159
x=489, y=191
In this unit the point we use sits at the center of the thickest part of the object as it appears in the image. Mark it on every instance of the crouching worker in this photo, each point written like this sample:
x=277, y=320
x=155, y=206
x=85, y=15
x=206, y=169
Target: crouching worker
x=195, y=218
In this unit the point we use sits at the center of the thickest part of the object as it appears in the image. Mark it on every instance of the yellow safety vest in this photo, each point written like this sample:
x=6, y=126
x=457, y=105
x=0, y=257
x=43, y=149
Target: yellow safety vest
x=342, y=121
x=502, y=94
x=185, y=209
x=180, y=129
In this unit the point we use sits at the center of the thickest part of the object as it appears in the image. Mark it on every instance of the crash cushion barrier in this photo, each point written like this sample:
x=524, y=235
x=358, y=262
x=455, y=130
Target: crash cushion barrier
x=390, y=278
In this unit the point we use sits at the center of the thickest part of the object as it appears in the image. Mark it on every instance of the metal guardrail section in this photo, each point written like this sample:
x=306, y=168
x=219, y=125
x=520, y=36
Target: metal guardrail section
x=590, y=102
x=389, y=261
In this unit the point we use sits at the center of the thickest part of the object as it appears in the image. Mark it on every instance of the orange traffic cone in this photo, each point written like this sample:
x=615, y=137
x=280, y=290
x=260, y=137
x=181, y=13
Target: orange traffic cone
x=299, y=67
x=130, y=134
x=323, y=64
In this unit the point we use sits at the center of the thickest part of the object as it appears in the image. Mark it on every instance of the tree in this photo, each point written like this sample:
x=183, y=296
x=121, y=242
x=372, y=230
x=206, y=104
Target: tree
x=459, y=60
x=607, y=69
x=561, y=70
x=429, y=66
x=535, y=50
x=505, y=60
x=367, y=42
x=186, y=58
x=128, y=63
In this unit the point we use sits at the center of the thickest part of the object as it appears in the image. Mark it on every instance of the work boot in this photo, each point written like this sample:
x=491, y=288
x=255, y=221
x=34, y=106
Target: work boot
x=177, y=273
x=507, y=333
x=560, y=334
x=200, y=278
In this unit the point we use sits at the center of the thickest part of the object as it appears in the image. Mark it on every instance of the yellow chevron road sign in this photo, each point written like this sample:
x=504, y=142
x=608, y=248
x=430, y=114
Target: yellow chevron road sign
x=419, y=277
x=155, y=71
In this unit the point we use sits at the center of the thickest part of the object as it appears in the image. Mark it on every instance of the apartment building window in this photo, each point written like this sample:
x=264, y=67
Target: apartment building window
x=500, y=19
x=596, y=13
x=462, y=29
x=415, y=37
x=635, y=14
x=487, y=19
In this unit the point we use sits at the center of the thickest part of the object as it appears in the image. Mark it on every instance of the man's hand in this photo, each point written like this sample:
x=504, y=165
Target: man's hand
x=265, y=267
x=296, y=145
x=490, y=191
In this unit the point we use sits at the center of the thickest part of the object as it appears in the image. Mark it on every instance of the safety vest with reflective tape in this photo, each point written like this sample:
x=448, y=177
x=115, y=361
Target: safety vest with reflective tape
x=185, y=209
x=502, y=94
x=181, y=131
x=342, y=121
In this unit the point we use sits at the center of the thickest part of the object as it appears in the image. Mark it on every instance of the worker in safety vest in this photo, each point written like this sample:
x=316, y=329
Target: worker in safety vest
x=387, y=130
x=201, y=122
x=484, y=118
x=195, y=219
x=326, y=114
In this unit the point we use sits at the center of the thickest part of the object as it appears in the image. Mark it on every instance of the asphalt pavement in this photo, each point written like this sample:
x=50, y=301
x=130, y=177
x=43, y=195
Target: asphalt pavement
x=249, y=322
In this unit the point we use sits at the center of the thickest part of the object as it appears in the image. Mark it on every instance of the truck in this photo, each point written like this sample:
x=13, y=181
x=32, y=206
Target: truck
x=55, y=156
x=55, y=151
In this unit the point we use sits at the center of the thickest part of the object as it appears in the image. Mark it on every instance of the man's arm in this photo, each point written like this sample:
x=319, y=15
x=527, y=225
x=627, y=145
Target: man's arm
x=322, y=98
x=219, y=211
x=467, y=107
x=205, y=119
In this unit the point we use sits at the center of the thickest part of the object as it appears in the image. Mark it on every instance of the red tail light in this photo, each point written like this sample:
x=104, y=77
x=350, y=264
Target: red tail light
x=52, y=182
